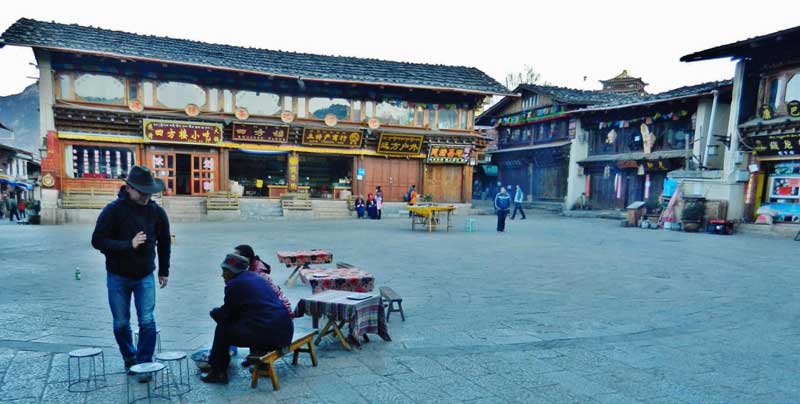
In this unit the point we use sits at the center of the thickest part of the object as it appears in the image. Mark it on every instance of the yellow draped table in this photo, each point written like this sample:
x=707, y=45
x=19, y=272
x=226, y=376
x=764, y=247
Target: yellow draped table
x=430, y=215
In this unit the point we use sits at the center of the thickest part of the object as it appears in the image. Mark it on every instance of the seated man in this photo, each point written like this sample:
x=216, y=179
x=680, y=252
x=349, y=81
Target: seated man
x=252, y=316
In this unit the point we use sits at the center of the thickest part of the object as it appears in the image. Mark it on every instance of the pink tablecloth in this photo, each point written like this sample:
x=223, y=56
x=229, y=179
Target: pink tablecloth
x=352, y=279
x=305, y=257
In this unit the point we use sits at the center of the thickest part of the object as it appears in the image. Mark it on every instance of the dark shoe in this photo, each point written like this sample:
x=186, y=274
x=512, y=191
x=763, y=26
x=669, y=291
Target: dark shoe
x=146, y=378
x=213, y=377
x=523, y=218
x=128, y=365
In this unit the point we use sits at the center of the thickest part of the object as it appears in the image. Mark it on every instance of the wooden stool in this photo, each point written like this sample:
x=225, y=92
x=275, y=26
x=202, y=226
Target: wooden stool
x=264, y=363
x=390, y=295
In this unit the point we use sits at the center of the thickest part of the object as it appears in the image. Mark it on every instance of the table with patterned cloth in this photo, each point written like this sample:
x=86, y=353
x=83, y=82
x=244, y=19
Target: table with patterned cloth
x=302, y=259
x=363, y=316
x=352, y=279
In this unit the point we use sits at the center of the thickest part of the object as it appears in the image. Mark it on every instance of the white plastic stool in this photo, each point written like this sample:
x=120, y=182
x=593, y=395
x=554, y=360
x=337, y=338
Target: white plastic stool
x=175, y=376
x=151, y=370
x=158, y=339
x=93, y=380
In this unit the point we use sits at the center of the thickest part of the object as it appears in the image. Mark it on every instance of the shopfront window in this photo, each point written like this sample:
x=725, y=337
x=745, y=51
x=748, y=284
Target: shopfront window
x=772, y=95
x=100, y=89
x=213, y=100
x=320, y=107
x=258, y=103
x=793, y=88
x=256, y=171
x=395, y=113
x=178, y=95
x=448, y=119
x=323, y=173
x=301, y=107
x=98, y=162
x=147, y=89
x=65, y=85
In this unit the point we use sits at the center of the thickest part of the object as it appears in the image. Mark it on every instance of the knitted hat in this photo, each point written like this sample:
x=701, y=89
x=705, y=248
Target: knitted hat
x=235, y=263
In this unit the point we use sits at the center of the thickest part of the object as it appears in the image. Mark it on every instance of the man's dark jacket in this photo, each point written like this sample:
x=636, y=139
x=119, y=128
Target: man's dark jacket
x=253, y=313
x=113, y=234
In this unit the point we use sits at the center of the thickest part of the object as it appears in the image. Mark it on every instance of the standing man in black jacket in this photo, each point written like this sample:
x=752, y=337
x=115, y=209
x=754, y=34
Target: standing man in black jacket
x=128, y=232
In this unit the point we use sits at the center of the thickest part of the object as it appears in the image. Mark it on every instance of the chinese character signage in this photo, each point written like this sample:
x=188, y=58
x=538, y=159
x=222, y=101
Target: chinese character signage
x=399, y=144
x=449, y=154
x=657, y=165
x=260, y=133
x=327, y=137
x=777, y=145
x=199, y=133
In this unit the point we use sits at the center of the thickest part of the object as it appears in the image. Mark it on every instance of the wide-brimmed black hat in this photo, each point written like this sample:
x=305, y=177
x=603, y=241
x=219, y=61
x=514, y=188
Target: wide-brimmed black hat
x=141, y=179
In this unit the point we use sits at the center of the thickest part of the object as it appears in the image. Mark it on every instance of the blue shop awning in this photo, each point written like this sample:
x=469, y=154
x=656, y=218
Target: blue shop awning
x=24, y=185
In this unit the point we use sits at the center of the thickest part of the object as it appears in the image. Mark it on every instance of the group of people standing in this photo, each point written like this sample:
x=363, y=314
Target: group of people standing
x=13, y=205
x=371, y=207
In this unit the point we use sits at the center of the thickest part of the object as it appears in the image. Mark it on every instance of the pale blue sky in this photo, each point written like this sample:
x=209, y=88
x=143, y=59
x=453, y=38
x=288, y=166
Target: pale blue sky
x=564, y=41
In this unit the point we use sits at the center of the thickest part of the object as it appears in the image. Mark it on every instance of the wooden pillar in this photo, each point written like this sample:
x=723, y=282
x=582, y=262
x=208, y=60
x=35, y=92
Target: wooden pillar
x=466, y=180
x=292, y=171
x=224, y=170
x=528, y=191
x=355, y=184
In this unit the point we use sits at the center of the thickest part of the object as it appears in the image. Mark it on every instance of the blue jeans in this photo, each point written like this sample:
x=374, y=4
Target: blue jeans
x=120, y=289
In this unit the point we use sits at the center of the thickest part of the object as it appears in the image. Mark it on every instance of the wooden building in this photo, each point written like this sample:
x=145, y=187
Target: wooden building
x=534, y=130
x=763, y=163
x=633, y=145
x=624, y=83
x=208, y=117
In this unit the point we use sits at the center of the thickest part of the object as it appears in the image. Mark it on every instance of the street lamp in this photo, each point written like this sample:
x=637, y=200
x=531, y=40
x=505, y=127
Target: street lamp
x=43, y=152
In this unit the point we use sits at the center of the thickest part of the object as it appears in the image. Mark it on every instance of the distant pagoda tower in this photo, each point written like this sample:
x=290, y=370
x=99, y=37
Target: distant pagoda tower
x=623, y=83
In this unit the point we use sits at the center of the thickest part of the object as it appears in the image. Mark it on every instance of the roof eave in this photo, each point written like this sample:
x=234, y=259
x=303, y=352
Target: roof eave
x=643, y=103
x=260, y=73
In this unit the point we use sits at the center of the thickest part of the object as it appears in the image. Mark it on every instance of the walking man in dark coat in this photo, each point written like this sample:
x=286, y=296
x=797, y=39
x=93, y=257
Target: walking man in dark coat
x=502, y=203
x=128, y=232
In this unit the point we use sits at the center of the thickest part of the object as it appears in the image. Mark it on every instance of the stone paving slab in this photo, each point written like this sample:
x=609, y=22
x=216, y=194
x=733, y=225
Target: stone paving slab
x=555, y=310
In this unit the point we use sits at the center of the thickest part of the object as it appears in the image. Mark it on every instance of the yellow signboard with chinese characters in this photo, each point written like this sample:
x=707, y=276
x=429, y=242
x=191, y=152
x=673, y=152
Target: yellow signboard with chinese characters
x=327, y=137
x=182, y=132
x=393, y=144
x=449, y=154
x=777, y=145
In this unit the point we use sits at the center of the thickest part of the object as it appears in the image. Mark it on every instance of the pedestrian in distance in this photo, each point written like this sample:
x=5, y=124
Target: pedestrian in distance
x=129, y=232
x=379, y=200
x=502, y=203
x=11, y=204
x=360, y=206
x=411, y=198
x=372, y=207
x=519, y=197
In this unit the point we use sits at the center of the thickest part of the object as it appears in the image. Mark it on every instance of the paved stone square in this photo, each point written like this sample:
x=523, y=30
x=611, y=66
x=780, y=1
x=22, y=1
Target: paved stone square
x=555, y=310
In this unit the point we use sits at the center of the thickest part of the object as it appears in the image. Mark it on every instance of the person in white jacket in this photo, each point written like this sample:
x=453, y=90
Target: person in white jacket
x=519, y=196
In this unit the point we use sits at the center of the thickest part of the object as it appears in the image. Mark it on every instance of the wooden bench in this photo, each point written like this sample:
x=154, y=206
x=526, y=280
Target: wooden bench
x=222, y=201
x=82, y=198
x=392, y=297
x=264, y=363
x=296, y=204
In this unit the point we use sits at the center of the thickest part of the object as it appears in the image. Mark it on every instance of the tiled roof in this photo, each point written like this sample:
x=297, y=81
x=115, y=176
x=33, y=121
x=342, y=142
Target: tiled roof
x=28, y=32
x=686, y=91
x=575, y=96
x=785, y=39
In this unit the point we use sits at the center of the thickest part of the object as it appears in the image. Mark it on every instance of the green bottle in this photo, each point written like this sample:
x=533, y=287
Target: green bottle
x=77, y=274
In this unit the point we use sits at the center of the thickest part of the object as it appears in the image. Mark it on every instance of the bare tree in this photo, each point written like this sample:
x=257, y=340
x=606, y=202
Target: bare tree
x=526, y=76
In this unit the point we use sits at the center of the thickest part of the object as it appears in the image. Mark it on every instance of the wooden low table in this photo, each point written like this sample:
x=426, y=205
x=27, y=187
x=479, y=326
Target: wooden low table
x=363, y=316
x=429, y=216
x=349, y=279
x=302, y=259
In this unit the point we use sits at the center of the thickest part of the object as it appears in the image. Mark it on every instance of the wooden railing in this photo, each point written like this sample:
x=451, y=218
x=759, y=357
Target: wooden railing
x=222, y=201
x=86, y=198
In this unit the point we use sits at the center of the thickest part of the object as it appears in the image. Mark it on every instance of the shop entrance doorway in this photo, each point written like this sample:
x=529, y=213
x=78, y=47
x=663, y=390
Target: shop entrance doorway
x=183, y=173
